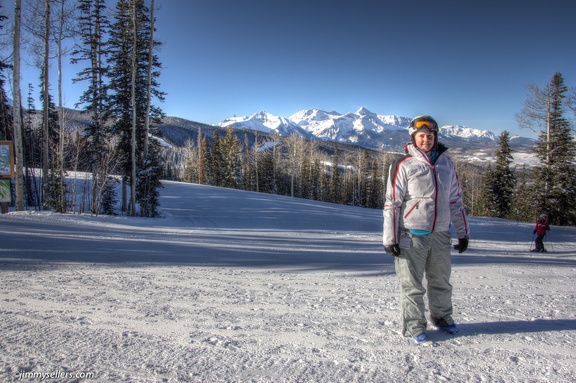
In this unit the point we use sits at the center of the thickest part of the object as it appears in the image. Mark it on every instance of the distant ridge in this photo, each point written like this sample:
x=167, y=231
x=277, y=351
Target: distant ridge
x=362, y=128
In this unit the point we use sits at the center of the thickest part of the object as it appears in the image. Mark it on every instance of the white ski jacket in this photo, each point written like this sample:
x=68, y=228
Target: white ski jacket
x=421, y=195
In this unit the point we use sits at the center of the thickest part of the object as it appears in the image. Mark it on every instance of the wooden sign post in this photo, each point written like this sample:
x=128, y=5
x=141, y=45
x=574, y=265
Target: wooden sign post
x=6, y=174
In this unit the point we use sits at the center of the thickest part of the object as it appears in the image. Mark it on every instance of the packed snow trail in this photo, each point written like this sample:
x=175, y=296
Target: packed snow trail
x=233, y=286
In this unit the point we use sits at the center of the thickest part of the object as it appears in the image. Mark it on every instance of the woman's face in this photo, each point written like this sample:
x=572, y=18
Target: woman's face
x=424, y=140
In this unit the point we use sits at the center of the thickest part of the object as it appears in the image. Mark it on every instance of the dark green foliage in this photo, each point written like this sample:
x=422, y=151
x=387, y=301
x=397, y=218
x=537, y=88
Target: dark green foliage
x=216, y=162
x=555, y=178
x=503, y=180
x=93, y=26
x=149, y=175
x=127, y=100
x=499, y=183
x=523, y=207
x=109, y=199
x=54, y=187
x=486, y=201
x=231, y=163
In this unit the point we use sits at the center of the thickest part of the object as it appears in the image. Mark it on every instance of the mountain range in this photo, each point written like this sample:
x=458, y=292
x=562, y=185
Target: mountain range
x=378, y=132
x=362, y=128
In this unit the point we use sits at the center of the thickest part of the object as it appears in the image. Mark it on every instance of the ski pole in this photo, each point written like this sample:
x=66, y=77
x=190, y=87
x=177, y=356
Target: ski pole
x=549, y=241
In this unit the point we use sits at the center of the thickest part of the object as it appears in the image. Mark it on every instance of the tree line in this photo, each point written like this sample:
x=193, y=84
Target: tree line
x=549, y=187
x=286, y=165
x=121, y=70
x=356, y=176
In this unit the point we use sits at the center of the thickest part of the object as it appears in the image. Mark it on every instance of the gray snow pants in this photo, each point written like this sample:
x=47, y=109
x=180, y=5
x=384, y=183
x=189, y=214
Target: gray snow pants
x=428, y=255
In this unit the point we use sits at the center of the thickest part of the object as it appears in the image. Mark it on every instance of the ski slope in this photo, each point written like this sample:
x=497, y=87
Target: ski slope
x=234, y=286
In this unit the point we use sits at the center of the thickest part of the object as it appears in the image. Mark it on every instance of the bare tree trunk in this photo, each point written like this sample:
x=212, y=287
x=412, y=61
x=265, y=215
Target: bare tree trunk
x=256, y=161
x=134, y=115
x=46, y=105
x=61, y=35
x=17, y=111
x=149, y=86
x=546, y=185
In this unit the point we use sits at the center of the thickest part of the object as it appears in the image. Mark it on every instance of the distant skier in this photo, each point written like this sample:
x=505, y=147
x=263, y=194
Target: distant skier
x=542, y=227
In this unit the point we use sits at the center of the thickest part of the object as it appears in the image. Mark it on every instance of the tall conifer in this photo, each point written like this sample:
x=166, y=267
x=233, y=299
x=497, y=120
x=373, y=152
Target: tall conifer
x=556, y=149
x=131, y=84
x=503, y=181
x=92, y=48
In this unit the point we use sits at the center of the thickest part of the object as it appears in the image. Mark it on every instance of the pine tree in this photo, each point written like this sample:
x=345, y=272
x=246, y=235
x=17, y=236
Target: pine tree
x=503, y=182
x=131, y=85
x=486, y=203
x=93, y=26
x=109, y=198
x=231, y=165
x=248, y=161
x=522, y=207
x=335, y=195
x=266, y=173
x=556, y=149
x=149, y=175
x=202, y=156
x=32, y=154
x=54, y=186
x=216, y=162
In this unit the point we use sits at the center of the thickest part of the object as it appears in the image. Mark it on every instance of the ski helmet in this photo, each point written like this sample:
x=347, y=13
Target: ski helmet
x=423, y=123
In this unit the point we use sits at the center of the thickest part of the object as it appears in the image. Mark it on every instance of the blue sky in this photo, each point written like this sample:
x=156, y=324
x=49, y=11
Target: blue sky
x=463, y=62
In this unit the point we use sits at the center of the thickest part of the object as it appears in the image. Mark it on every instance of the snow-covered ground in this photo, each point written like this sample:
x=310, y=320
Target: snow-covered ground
x=234, y=286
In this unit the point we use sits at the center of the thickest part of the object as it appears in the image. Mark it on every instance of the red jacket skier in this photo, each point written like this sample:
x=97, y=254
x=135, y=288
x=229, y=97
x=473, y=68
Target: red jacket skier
x=542, y=227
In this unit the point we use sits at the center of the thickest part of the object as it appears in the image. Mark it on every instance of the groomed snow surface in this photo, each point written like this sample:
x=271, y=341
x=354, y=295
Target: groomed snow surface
x=233, y=286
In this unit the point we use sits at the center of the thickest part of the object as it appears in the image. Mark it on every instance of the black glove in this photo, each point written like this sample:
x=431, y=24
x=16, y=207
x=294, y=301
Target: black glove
x=534, y=232
x=393, y=249
x=462, y=245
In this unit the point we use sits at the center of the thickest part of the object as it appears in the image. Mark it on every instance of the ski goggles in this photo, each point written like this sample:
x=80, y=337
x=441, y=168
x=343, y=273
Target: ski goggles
x=430, y=125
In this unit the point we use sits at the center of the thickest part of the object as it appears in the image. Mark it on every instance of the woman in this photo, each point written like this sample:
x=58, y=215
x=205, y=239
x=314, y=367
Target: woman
x=423, y=197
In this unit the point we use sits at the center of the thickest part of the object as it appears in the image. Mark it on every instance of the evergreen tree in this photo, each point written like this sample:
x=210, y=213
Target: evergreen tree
x=324, y=192
x=362, y=178
x=375, y=185
x=231, y=165
x=308, y=173
x=556, y=149
x=216, y=162
x=266, y=173
x=149, y=175
x=201, y=161
x=54, y=187
x=486, y=203
x=93, y=26
x=189, y=154
x=522, y=207
x=130, y=86
x=503, y=182
x=335, y=195
x=109, y=198
x=32, y=154
x=248, y=161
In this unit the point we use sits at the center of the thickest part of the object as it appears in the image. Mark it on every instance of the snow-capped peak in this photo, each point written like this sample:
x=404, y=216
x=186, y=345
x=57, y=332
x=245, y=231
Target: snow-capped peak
x=266, y=122
x=363, y=128
x=346, y=127
x=465, y=132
